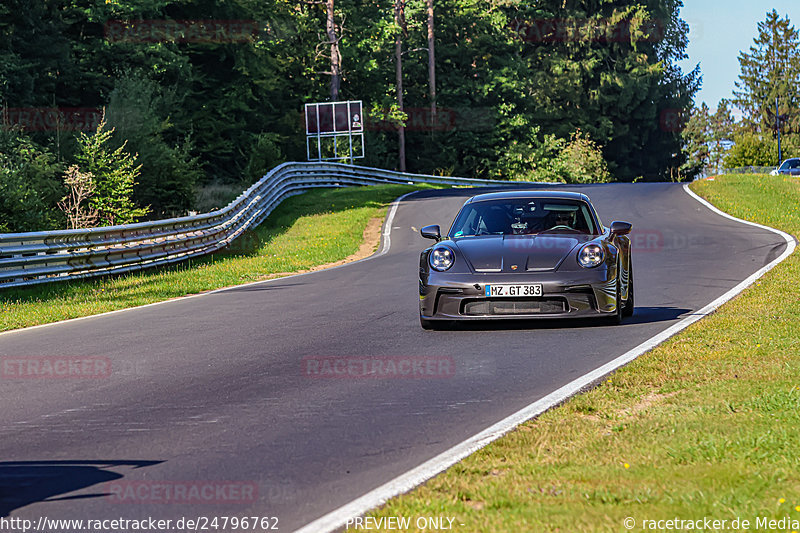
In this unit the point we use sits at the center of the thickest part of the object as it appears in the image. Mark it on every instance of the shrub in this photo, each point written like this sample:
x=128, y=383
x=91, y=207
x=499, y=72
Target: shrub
x=580, y=160
x=750, y=149
x=29, y=186
x=552, y=159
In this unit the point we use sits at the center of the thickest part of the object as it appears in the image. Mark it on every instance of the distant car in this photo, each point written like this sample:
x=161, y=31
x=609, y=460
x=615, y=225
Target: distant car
x=526, y=254
x=790, y=167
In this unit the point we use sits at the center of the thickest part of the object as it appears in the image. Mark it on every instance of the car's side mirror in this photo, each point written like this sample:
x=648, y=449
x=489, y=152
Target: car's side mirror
x=620, y=228
x=431, y=232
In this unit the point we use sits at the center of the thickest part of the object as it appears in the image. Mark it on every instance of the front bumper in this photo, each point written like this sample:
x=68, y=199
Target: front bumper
x=590, y=293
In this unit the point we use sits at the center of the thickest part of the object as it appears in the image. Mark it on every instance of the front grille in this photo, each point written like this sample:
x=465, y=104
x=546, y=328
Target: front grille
x=513, y=306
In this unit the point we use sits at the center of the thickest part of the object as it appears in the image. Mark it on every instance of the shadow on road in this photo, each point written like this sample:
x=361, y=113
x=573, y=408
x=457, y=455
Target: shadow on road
x=25, y=482
x=647, y=315
x=641, y=315
x=265, y=286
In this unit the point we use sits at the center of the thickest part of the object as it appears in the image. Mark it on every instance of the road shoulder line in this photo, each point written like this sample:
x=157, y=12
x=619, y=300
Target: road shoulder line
x=416, y=476
x=384, y=248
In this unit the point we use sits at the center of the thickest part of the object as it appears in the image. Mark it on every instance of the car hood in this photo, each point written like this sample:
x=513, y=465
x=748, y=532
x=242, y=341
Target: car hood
x=519, y=253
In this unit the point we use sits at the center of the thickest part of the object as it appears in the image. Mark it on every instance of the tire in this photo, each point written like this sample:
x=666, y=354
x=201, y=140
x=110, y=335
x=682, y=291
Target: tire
x=627, y=309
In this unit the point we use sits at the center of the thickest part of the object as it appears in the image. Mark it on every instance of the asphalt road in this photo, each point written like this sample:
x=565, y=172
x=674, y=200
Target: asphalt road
x=212, y=394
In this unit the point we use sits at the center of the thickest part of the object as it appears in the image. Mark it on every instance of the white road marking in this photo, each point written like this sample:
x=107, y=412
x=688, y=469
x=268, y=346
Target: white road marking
x=405, y=482
x=387, y=224
x=385, y=248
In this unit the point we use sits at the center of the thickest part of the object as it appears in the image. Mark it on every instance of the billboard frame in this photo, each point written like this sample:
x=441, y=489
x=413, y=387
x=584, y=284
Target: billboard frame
x=317, y=130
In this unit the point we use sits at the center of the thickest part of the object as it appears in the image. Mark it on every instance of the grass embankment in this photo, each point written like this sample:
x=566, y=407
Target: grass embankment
x=705, y=425
x=312, y=229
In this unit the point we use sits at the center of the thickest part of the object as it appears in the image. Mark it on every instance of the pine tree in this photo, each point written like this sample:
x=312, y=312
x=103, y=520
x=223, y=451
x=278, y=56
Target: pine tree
x=114, y=174
x=770, y=70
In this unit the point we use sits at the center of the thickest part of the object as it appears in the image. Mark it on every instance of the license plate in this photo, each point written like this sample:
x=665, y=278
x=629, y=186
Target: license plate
x=514, y=290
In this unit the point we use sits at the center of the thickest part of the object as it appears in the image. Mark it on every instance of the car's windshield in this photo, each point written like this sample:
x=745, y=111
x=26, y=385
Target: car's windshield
x=789, y=164
x=523, y=216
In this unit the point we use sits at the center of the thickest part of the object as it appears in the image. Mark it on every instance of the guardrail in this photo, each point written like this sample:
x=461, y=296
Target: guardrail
x=48, y=256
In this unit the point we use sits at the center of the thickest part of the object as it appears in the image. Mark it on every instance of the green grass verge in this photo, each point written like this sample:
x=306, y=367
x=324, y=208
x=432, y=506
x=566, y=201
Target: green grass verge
x=705, y=425
x=315, y=228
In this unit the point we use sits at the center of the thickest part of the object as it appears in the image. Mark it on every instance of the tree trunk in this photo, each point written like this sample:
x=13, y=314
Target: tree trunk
x=400, y=19
x=336, y=58
x=431, y=65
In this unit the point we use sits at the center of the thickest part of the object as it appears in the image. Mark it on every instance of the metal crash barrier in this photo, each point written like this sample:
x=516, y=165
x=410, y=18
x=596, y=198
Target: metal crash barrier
x=47, y=256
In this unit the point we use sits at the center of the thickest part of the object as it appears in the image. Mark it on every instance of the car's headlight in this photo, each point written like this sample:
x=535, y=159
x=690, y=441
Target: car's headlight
x=441, y=258
x=590, y=255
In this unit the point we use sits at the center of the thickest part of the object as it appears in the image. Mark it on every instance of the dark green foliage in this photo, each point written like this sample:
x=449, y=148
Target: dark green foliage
x=752, y=149
x=29, y=185
x=114, y=172
x=500, y=83
x=770, y=70
x=612, y=85
x=265, y=153
x=140, y=113
x=199, y=110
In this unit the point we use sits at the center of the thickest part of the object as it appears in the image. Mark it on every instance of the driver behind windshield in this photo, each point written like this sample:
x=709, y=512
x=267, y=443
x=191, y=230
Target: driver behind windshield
x=563, y=218
x=522, y=217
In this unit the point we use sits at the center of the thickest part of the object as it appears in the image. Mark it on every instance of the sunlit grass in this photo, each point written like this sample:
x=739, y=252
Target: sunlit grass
x=315, y=228
x=705, y=425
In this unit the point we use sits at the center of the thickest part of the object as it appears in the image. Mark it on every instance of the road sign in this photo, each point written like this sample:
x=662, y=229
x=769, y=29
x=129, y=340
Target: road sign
x=334, y=130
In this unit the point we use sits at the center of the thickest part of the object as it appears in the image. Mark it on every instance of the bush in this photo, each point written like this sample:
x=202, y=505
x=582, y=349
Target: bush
x=750, y=149
x=527, y=158
x=578, y=160
x=29, y=185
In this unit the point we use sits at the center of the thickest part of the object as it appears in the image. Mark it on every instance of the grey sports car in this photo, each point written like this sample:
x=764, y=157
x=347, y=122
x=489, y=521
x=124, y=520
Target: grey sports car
x=526, y=254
